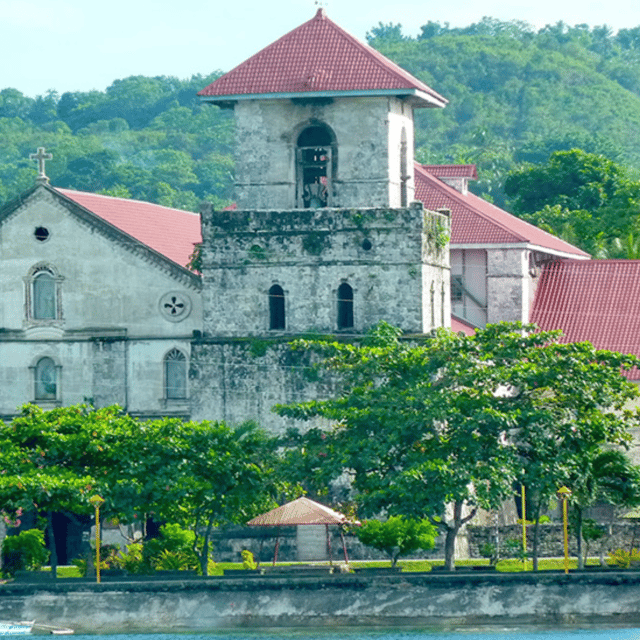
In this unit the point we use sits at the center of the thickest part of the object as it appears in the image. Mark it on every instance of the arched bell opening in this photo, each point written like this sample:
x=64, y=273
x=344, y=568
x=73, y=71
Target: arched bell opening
x=315, y=167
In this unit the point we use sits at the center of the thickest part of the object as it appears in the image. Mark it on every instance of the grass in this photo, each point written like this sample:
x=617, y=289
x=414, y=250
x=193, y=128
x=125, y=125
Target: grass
x=66, y=571
x=506, y=566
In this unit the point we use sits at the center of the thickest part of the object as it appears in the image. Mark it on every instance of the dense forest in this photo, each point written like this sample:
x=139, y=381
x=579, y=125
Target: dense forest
x=516, y=96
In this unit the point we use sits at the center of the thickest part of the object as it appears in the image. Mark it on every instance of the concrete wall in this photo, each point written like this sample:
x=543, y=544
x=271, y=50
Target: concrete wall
x=367, y=138
x=508, y=284
x=425, y=600
x=497, y=284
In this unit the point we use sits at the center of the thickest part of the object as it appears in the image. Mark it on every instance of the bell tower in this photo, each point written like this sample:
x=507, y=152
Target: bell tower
x=322, y=120
x=326, y=237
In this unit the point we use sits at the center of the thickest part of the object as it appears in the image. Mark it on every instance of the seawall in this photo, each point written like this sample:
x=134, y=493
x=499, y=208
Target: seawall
x=411, y=600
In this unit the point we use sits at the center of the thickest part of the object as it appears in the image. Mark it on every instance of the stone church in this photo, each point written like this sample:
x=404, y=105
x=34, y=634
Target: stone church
x=98, y=304
x=335, y=228
x=327, y=236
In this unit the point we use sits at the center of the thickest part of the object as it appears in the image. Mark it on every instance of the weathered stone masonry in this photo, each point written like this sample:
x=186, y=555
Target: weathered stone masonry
x=391, y=260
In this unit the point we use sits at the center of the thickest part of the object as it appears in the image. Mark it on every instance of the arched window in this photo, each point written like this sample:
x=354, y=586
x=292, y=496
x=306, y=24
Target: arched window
x=42, y=293
x=44, y=305
x=314, y=171
x=345, y=306
x=46, y=379
x=276, y=307
x=175, y=375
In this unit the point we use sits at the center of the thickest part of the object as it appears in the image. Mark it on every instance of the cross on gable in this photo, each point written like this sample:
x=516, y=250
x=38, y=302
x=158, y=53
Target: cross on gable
x=41, y=157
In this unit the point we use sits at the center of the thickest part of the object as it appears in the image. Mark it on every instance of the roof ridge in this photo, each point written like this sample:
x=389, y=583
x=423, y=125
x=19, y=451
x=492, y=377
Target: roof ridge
x=132, y=244
x=382, y=60
x=460, y=199
x=302, y=50
x=504, y=226
x=120, y=199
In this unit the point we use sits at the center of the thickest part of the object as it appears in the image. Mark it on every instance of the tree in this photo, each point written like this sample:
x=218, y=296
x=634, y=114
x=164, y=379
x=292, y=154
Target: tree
x=52, y=462
x=397, y=536
x=388, y=32
x=200, y=475
x=445, y=426
x=203, y=475
x=416, y=430
x=569, y=401
x=582, y=197
x=605, y=475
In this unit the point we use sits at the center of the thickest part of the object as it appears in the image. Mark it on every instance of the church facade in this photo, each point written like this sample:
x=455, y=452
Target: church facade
x=90, y=312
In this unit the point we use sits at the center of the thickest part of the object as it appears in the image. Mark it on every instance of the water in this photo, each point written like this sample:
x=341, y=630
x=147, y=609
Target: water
x=358, y=634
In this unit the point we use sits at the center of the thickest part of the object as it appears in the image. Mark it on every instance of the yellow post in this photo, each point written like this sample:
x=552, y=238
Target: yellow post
x=524, y=528
x=97, y=501
x=564, y=494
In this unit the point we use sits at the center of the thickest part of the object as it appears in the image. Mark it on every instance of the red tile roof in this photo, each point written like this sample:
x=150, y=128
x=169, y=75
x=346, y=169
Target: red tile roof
x=170, y=232
x=319, y=57
x=452, y=170
x=591, y=300
x=474, y=221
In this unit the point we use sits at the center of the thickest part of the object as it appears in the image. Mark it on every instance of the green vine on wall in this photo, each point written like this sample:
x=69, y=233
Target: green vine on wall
x=439, y=234
x=257, y=252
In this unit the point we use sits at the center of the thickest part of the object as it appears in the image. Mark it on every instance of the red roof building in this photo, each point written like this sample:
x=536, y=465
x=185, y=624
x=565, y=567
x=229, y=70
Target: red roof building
x=322, y=120
x=475, y=222
x=495, y=256
x=97, y=302
x=461, y=326
x=172, y=233
x=593, y=300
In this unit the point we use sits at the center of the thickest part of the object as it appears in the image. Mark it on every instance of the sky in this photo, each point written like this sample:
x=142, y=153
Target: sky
x=80, y=45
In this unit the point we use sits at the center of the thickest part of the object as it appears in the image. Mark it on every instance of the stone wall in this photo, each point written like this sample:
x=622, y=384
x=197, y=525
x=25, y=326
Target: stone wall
x=391, y=259
x=551, y=541
x=228, y=545
x=367, y=133
x=435, y=600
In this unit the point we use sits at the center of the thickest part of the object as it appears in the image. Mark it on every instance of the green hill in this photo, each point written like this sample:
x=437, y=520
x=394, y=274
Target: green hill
x=515, y=95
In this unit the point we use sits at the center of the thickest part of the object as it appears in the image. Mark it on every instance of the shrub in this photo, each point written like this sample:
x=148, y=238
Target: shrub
x=397, y=536
x=173, y=547
x=514, y=549
x=489, y=550
x=24, y=551
x=625, y=559
x=248, y=561
x=132, y=560
x=176, y=561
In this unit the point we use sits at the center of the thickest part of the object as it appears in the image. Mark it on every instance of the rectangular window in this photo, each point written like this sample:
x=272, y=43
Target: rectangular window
x=457, y=290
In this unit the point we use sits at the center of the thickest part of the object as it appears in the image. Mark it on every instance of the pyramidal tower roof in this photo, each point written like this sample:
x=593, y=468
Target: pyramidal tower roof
x=319, y=59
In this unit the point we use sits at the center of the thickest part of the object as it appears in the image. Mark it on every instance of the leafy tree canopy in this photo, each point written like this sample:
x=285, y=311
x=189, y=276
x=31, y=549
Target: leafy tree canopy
x=397, y=536
x=583, y=197
x=515, y=94
x=456, y=420
x=199, y=475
